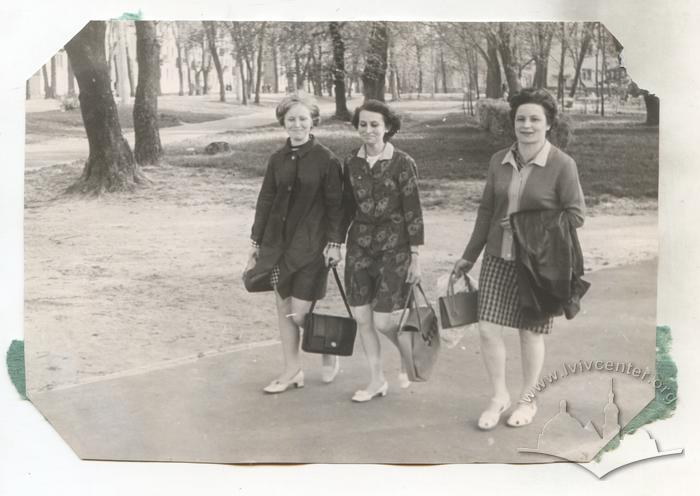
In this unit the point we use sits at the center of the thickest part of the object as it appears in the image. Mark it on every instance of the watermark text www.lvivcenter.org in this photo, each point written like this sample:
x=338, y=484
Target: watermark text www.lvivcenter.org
x=667, y=394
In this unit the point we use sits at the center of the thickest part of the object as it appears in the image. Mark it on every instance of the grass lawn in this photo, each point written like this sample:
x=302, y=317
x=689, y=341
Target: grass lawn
x=617, y=156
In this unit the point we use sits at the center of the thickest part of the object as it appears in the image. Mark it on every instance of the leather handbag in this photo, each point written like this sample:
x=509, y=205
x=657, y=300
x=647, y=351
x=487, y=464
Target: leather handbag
x=329, y=334
x=458, y=309
x=257, y=281
x=418, y=337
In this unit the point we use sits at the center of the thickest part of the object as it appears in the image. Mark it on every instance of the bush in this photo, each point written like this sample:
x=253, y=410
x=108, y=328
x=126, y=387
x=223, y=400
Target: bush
x=70, y=103
x=494, y=117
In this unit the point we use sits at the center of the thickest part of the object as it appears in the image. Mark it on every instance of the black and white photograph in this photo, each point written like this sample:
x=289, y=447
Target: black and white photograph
x=333, y=241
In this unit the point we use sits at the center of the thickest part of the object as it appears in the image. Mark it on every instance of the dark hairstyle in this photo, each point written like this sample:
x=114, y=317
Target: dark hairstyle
x=301, y=99
x=392, y=121
x=532, y=95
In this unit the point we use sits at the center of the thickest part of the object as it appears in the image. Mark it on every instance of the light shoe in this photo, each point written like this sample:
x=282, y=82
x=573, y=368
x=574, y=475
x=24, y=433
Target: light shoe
x=329, y=373
x=490, y=417
x=523, y=414
x=363, y=395
x=404, y=382
x=278, y=386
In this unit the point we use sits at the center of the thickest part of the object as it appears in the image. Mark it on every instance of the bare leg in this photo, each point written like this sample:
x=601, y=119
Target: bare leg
x=289, y=335
x=388, y=324
x=532, y=350
x=370, y=343
x=493, y=350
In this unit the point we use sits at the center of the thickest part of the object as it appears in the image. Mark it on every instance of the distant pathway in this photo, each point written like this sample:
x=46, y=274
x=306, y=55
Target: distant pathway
x=67, y=150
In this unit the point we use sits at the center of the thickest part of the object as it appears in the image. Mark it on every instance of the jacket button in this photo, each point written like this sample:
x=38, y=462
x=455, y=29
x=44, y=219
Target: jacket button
x=293, y=157
x=289, y=188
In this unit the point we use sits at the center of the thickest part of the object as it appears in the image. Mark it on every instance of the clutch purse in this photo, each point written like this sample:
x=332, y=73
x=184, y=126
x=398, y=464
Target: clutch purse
x=257, y=281
x=419, y=337
x=458, y=309
x=329, y=334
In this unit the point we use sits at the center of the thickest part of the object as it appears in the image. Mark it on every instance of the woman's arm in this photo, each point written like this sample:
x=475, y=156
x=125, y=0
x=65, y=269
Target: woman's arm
x=410, y=202
x=349, y=206
x=266, y=197
x=570, y=193
x=480, y=234
x=333, y=199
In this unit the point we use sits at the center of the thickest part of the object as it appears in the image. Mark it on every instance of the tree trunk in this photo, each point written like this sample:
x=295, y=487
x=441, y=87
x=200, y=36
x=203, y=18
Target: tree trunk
x=585, y=44
x=27, y=90
x=652, y=104
x=71, y=78
x=601, y=41
x=130, y=72
x=341, y=107
x=210, y=27
x=147, y=147
x=45, y=77
x=53, y=77
x=419, y=61
x=275, y=67
x=374, y=74
x=244, y=85
x=561, y=82
x=506, y=47
x=110, y=165
x=180, y=72
x=261, y=49
x=493, y=69
x=190, y=88
x=443, y=71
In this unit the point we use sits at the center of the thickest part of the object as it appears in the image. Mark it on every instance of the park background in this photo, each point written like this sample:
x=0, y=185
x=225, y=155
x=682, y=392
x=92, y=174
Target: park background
x=691, y=248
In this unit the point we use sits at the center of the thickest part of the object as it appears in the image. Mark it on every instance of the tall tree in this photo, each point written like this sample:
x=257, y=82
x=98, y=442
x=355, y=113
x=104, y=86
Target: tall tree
x=259, y=63
x=505, y=36
x=110, y=165
x=374, y=74
x=341, y=107
x=211, y=29
x=71, y=78
x=540, y=39
x=147, y=147
x=579, y=46
x=561, y=80
x=130, y=70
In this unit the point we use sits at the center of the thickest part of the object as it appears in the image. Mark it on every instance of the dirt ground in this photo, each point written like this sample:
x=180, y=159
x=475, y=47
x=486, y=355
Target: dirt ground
x=137, y=280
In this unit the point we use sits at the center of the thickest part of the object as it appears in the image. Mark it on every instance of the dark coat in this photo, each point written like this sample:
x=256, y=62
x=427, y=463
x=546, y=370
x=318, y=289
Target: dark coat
x=299, y=208
x=549, y=263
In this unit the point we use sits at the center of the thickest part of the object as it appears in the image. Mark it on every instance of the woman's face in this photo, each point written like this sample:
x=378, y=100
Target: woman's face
x=298, y=123
x=531, y=124
x=372, y=128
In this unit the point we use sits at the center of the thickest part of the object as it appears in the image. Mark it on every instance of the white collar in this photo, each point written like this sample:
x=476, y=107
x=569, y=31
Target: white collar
x=386, y=154
x=539, y=159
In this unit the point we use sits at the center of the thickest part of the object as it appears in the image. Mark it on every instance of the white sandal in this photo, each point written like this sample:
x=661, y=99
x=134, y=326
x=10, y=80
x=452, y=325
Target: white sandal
x=523, y=414
x=490, y=417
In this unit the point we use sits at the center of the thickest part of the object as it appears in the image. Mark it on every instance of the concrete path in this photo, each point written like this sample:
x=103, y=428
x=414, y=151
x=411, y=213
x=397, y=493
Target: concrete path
x=212, y=409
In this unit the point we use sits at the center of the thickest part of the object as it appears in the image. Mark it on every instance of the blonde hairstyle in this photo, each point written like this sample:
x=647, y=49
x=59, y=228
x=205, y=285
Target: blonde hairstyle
x=302, y=99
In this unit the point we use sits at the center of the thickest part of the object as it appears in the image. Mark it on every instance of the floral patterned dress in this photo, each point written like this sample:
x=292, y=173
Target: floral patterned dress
x=382, y=207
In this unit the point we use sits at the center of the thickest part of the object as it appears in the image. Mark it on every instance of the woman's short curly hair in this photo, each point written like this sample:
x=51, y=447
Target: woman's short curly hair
x=534, y=95
x=298, y=99
x=392, y=121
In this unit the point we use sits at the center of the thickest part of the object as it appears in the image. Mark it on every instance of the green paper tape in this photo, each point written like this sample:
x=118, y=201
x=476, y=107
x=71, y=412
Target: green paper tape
x=15, y=367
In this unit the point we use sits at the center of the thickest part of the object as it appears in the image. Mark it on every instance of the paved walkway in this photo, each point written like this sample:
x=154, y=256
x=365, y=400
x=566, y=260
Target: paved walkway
x=212, y=409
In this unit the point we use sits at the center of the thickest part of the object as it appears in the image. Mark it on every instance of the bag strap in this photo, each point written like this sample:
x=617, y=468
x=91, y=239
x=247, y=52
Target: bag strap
x=340, y=288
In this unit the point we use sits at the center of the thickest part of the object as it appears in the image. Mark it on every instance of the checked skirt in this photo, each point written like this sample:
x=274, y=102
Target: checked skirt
x=499, y=302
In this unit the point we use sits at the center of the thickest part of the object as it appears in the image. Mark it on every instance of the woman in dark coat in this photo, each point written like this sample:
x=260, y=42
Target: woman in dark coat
x=530, y=175
x=382, y=202
x=297, y=230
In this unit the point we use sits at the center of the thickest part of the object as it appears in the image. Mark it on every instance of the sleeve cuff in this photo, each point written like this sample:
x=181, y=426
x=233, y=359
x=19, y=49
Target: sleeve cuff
x=254, y=243
x=333, y=244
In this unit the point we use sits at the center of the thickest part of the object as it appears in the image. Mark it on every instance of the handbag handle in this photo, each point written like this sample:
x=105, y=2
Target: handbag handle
x=451, y=285
x=415, y=305
x=342, y=293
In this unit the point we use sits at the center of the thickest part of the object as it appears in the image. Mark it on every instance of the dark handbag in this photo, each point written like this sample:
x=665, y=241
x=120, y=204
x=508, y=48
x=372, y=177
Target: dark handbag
x=257, y=281
x=458, y=309
x=329, y=334
x=418, y=337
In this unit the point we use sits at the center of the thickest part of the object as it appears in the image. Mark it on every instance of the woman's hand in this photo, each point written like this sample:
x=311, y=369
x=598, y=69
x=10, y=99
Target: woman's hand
x=505, y=223
x=252, y=259
x=414, y=274
x=461, y=268
x=331, y=255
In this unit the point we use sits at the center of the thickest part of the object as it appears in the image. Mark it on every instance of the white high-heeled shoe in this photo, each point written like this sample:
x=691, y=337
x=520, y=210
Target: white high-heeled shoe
x=329, y=373
x=278, y=386
x=404, y=381
x=363, y=395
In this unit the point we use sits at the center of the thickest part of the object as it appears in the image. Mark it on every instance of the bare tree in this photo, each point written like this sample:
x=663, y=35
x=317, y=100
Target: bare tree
x=211, y=31
x=147, y=147
x=374, y=74
x=110, y=165
x=341, y=107
x=579, y=45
